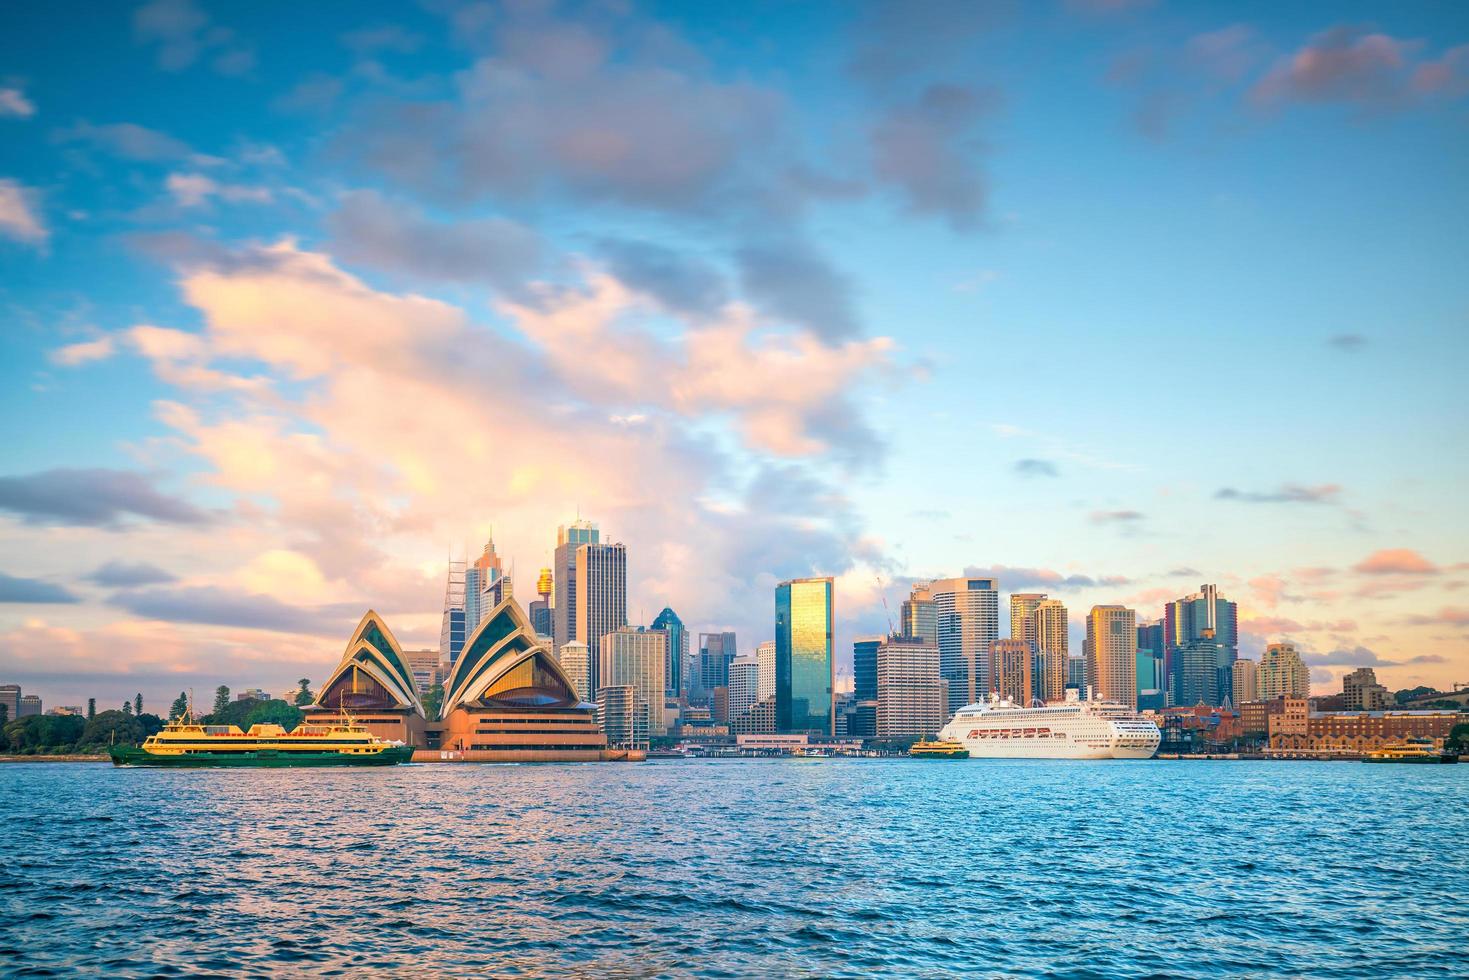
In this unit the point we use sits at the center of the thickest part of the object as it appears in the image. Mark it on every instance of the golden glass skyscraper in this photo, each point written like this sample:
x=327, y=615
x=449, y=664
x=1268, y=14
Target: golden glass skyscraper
x=805, y=668
x=1111, y=654
x=1052, y=641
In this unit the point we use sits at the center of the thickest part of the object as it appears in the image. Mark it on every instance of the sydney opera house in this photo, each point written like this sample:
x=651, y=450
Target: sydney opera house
x=505, y=700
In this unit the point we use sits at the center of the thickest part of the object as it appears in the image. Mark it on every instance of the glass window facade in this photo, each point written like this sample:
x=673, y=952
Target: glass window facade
x=804, y=665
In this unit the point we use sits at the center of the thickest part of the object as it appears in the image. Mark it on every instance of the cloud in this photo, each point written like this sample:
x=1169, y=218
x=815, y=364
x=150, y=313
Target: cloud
x=1360, y=656
x=92, y=498
x=793, y=282
x=13, y=103
x=196, y=190
x=126, y=140
x=83, y=352
x=393, y=237
x=183, y=35
x=19, y=218
x=1036, y=467
x=1012, y=577
x=1125, y=517
x=676, y=279
x=1289, y=493
x=896, y=40
x=315, y=93
x=29, y=590
x=1446, y=616
x=1347, y=341
x=1396, y=561
x=929, y=149
x=213, y=606
x=122, y=575
x=368, y=41
x=1448, y=76
x=1345, y=64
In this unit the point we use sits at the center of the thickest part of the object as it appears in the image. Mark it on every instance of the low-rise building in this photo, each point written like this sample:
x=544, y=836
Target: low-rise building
x=1355, y=732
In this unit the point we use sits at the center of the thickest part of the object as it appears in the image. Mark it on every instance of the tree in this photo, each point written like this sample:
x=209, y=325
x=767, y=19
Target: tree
x=179, y=708
x=221, y=699
x=4, y=714
x=110, y=728
x=273, y=712
x=138, y=704
x=431, y=702
x=1458, y=740
x=127, y=708
x=304, y=696
x=91, y=708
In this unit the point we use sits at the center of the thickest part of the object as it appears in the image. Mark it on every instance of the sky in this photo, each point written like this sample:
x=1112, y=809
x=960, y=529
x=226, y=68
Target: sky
x=1107, y=299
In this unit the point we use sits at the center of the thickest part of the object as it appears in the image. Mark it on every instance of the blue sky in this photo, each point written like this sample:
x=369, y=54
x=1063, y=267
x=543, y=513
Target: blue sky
x=1112, y=298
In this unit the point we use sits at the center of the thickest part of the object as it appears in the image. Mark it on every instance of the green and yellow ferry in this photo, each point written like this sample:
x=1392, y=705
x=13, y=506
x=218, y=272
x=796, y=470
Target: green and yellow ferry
x=186, y=743
x=938, y=750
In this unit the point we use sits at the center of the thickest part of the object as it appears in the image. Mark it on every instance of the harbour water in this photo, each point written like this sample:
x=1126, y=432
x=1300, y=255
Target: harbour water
x=769, y=868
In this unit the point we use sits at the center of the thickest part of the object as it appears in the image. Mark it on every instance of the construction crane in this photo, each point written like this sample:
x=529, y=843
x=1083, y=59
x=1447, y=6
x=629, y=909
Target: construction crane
x=883, y=592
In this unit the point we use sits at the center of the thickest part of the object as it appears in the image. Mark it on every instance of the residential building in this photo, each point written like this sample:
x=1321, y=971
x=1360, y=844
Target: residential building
x=1282, y=673
x=1022, y=611
x=864, y=667
x=252, y=694
x=1362, y=692
x=623, y=716
x=424, y=666
x=67, y=711
x=1010, y=670
x=744, y=685
x=677, y=661
x=563, y=574
x=1111, y=654
x=576, y=661
x=910, y=692
x=1190, y=618
x=1052, y=645
x=919, y=614
x=765, y=654
x=634, y=656
x=1245, y=683
x=600, y=597
x=968, y=621
x=805, y=665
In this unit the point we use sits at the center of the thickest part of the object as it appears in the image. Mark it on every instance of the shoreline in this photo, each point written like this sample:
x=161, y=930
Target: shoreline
x=53, y=758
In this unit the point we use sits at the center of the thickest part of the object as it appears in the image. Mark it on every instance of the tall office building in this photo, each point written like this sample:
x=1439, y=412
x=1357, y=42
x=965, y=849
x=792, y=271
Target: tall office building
x=539, y=611
x=744, y=685
x=864, y=667
x=1010, y=670
x=967, y=621
x=1191, y=618
x=10, y=698
x=1245, y=683
x=1362, y=692
x=716, y=652
x=485, y=586
x=1282, y=673
x=633, y=656
x=1111, y=654
x=576, y=661
x=563, y=575
x=1151, y=679
x=30, y=704
x=600, y=597
x=910, y=692
x=805, y=665
x=765, y=656
x=678, y=650
x=1022, y=615
x=1076, y=673
x=1203, y=671
x=424, y=666
x=1052, y=649
x=920, y=615
x=451, y=628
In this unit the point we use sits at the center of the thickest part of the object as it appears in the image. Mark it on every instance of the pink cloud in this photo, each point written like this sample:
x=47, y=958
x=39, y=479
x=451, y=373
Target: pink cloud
x=1343, y=64
x=1395, y=561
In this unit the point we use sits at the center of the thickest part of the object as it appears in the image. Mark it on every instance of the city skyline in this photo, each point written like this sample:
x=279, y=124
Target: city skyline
x=766, y=298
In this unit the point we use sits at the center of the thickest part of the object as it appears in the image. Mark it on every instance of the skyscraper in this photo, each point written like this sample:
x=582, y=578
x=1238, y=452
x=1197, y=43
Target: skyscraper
x=864, y=667
x=1111, y=654
x=744, y=685
x=1022, y=611
x=451, y=629
x=600, y=598
x=920, y=615
x=716, y=651
x=910, y=692
x=539, y=611
x=1010, y=670
x=563, y=608
x=968, y=620
x=1282, y=673
x=1245, y=682
x=1190, y=618
x=1150, y=647
x=1201, y=677
x=10, y=697
x=765, y=655
x=805, y=668
x=633, y=656
x=678, y=650
x=485, y=586
x=1053, y=643
x=576, y=661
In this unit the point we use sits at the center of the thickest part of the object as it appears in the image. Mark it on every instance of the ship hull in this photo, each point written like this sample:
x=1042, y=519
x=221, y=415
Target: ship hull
x=131, y=756
x=1037, y=750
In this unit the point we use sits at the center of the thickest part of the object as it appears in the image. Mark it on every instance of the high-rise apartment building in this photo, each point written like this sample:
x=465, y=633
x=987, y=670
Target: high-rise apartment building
x=424, y=666
x=1282, y=673
x=1362, y=692
x=1245, y=683
x=968, y=621
x=600, y=597
x=864, y=667
x=1010, y=670
x=576, y=661
x=1111, y=654
x=1052, y=649
x=622, y=717
x=744, y=685
x=563, y=575
x=920, y=615
x=678, y=650
x=805, y=665
x=910, y=692
x=633, y=656
x=765, y=655
x=1202, y=615
x=1022, y=611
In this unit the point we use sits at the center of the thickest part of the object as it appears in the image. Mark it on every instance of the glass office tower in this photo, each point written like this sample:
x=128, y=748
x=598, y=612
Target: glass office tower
x=805, y=668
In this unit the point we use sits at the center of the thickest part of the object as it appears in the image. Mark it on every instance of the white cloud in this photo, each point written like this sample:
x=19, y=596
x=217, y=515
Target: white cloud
x=13, y=102
x=197, y=190
x=18, y=217
x=83, y=352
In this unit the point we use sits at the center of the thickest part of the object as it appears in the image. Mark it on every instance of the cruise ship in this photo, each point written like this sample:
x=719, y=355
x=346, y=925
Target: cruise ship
x=1073, y=729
